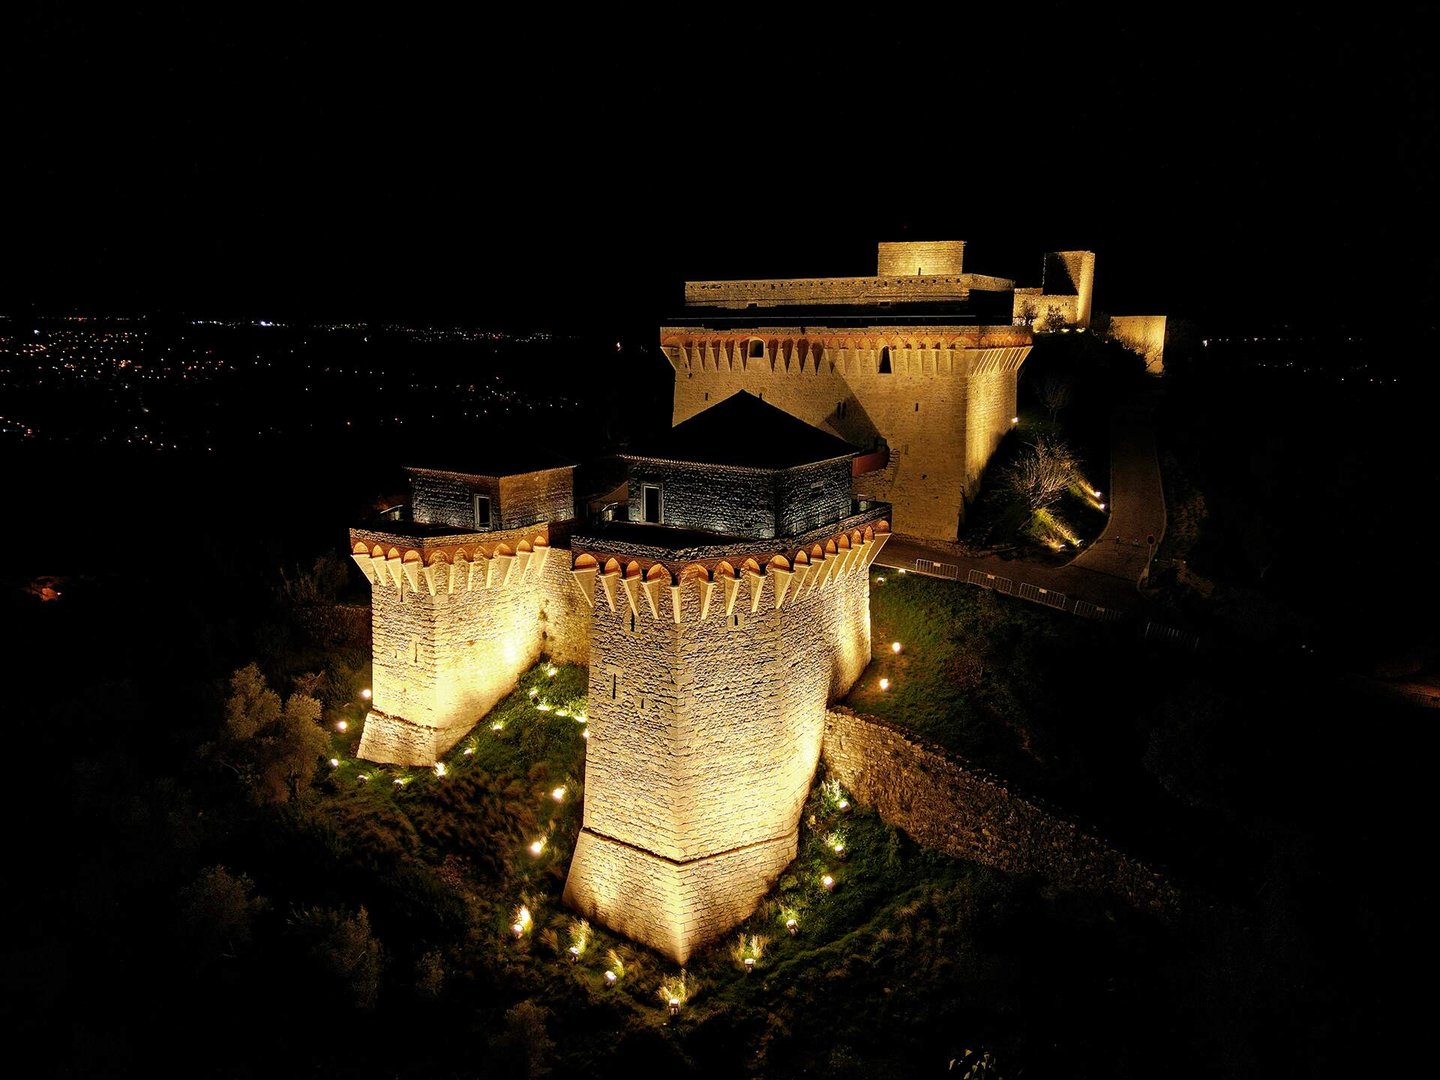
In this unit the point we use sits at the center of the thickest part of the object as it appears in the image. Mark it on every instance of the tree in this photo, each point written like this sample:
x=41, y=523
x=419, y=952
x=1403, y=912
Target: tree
x=344, y=947
x=1027, y=314
x=1055, y=318
x=1042, y=472
x=1054, y=393
x=273, y=747
x=217, y=915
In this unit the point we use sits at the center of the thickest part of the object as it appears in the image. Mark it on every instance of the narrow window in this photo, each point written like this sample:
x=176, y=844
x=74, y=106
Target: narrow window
x=757, y=349
x=652, y=503
x=917, y=406
x=614, y=686
x=482, y=511
x=885, y=360
x=632, y=623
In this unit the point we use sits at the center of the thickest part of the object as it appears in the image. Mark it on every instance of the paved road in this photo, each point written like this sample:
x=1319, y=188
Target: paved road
x=1137, y=502
x=1107, y=572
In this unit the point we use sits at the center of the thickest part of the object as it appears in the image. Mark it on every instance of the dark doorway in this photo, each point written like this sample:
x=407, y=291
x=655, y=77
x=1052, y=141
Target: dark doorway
x=652, y=504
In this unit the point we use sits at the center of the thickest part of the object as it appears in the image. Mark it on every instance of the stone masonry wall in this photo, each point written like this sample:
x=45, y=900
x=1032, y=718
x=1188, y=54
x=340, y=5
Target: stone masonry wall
x=1145, y=334
x=704, y=740
x=545, y=495
x=811, y=495
x=923, y=409
x=447, y=498
x=945, y=804
x=733, y=502
x=743, y=502
x=441, y=662
x=916, y=257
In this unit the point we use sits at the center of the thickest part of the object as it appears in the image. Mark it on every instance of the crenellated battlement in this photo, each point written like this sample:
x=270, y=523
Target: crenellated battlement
x=906, y=289
x=464, y=561
x=656, y=582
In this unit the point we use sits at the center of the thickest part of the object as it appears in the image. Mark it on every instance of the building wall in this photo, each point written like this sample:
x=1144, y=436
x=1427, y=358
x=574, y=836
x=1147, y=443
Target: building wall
x=921, y=258
x=704, y=741
x=960, y=810
x=903, y=288
x=923, y=409
x=447, y=498
x=1145, y=334
x=442, y=660
x=545, y=495
x=743, y=502
x=736, y=502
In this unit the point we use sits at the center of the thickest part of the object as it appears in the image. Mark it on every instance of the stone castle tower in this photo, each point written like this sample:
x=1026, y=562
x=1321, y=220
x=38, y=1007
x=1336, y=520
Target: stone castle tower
x=730, y=610
x=732, y=606
x=920, y=360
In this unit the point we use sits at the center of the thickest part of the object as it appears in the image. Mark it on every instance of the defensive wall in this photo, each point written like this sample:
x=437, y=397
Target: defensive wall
x=899, y=289
x=709, y=681
x=941, y=396
x=1143, y=333
x=953, y=807
x=456, y=617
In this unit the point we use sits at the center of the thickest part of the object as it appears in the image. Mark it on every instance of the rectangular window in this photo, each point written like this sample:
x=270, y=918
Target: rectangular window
x=482, y=511
x=652, y=503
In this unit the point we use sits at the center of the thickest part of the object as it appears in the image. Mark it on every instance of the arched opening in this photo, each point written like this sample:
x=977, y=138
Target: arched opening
x=756, y=349
x=885, y=366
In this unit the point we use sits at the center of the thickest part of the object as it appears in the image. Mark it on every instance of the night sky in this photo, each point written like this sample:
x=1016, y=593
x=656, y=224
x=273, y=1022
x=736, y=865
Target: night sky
x=312, y=166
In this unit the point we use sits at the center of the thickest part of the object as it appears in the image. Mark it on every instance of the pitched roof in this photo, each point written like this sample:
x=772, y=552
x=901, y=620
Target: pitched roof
x=747, y=432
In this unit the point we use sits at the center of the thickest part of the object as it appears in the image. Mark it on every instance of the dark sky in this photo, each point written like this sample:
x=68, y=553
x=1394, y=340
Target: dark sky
x=231, y=160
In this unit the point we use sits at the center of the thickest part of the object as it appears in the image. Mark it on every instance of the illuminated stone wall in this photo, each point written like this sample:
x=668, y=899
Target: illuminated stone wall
x=1145, y=334
x=546, y=495
x=454, y=622
x=705, y=733
x=921, y=258
x=743, y=502
x=905, y=288
x=1069, y=286
x=942, y=408
x=441, y=497
x=945, y=804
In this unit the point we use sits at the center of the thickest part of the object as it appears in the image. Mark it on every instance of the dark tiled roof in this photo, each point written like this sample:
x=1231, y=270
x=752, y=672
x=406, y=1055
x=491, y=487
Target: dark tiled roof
x=744, y=431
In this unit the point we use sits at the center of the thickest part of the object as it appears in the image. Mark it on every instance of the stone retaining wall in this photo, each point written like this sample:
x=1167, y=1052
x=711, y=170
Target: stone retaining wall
x=956, y=808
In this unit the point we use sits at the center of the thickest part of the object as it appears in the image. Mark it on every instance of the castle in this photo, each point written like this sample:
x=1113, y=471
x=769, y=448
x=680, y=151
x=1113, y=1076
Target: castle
x=732, y=607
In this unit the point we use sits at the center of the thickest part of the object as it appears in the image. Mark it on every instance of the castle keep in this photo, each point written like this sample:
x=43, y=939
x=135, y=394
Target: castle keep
x=731, y=607
x=920, y=360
